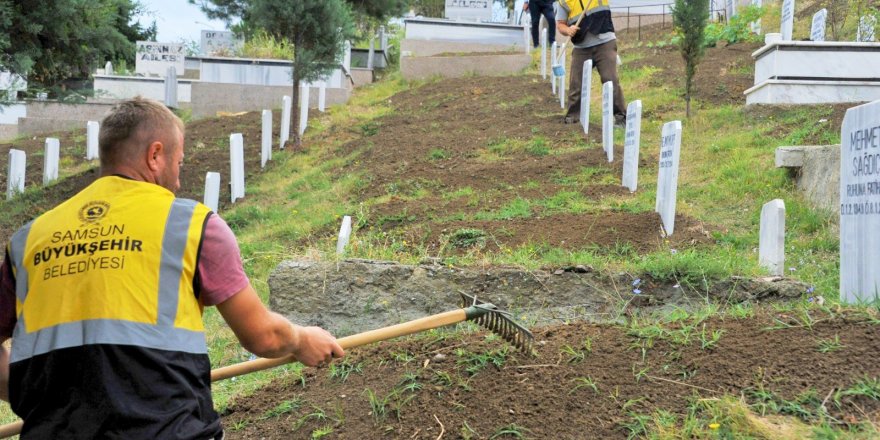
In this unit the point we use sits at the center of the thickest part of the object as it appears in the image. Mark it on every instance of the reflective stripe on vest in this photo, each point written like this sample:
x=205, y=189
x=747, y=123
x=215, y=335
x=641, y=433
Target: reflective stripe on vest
x=575, y=7
x=124, y=279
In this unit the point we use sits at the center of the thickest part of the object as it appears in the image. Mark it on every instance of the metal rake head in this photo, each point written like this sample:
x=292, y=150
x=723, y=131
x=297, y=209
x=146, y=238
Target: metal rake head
x=499, y=322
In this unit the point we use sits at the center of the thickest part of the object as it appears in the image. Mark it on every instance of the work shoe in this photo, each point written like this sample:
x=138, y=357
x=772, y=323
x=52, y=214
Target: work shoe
x=620, y=121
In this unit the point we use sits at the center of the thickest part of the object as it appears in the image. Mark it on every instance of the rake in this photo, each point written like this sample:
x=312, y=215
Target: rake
x=558, y=68
x=485, y=314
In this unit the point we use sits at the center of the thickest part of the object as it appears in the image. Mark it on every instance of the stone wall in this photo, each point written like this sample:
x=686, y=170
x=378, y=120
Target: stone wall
x=816, y=172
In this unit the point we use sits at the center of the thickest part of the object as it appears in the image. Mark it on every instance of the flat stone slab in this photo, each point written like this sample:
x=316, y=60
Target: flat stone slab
x=816, y=171
x=456, y=66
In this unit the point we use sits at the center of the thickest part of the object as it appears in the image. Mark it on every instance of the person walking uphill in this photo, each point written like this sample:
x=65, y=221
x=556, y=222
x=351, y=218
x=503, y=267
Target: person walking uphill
x=103, y=298
x=538, y=8
x=593, y=40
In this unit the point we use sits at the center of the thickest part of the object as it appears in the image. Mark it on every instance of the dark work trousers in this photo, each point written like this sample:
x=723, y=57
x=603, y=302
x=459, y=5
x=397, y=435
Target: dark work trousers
x=538, y=8
x=604, y=58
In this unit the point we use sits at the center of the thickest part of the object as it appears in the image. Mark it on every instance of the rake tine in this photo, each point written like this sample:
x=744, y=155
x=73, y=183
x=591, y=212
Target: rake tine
x=499, y=322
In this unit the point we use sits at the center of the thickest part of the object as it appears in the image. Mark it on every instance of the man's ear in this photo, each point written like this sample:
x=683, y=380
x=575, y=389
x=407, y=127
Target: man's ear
x=155, y=153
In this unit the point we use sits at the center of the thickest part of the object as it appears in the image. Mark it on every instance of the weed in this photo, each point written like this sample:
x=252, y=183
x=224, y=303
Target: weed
x=640, y=374
x=322, y=432
x=341, y=370
x=637, y=426
x=284, y=407
x=466, y=432
x=867, y=386
x=438, y=154
x=474, y=362
x=468, y=237
x=510, y=430
x=378, y=405
x=829, y=345
x=403, y=357
x=574, y=355
x=538, y=146
x=584, y=382
x=370, y=128
x=708, y=340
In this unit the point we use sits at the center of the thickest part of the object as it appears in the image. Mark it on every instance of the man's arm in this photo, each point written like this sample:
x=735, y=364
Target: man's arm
x=565, y=29
x=271, y=335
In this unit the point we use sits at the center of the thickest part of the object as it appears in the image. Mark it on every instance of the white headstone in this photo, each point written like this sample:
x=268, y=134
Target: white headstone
x=303, y=108
x=322, y=97
x=631, y=145
x=469, y=10
x=153, y=58
x=817, y=30
x=561, y=87
x=92, y=128
x=171, y=87
x=383, y=39
x=860, y=203
x=50, y=160
x=344, y=235
x=266, y=150
x=218, y=43
x=608, y=119
x=543, y=55
x=667, y=176
x=771, y=247
x=527, y=39
x=346, y=56
x=371, y=53
x=865, y=31
x=285, y=121
x=108, y=68
x=730, y=8
x=236, y=162
x=553, y=79
x=787, y=20
x=15, y=175
x=212, y=190
x=586, y=84
x=756, y=25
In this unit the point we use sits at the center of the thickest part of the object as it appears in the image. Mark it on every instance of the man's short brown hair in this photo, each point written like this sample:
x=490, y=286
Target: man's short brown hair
x=132, y=125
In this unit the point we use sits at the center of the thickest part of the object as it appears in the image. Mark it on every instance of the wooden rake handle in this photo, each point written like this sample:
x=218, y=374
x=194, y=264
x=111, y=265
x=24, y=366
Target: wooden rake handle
x=368, y=337
x=577, y=24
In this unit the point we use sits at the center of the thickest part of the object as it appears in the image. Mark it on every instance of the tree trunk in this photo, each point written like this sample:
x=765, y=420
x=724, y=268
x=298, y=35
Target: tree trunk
x=295, y=106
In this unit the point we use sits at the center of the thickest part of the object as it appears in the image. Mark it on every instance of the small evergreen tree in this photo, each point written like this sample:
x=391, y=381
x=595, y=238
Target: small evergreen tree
x=690, y=17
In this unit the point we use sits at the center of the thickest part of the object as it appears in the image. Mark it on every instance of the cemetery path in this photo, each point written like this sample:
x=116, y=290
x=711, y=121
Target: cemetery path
x=588, y=382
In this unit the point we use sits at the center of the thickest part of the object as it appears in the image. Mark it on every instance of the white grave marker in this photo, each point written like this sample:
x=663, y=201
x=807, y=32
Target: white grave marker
x=266, y=150
x=667, y=176
x=303, y=108
x=108, y=68
x=212, y=190
x=730, y=8
x=322, y=97
x=92, y=128
x=608, y=119
x=50, y=160
x=285, y=121
x=344, y=235
x=544, y=55
x=553, y=79
x=631, y=145
x=346, y=56
x=865, y=31
x=171, y=87
x=586, y=83
x=817, y=30
x=771, y=247
x=236, y=161
x=787, y=21
x=756, y=25
x=15, y=175
x=153, y=58
x=860, y=204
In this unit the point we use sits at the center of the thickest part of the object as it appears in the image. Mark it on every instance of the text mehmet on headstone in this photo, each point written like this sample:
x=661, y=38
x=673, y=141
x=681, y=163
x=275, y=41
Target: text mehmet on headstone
x=860, y=203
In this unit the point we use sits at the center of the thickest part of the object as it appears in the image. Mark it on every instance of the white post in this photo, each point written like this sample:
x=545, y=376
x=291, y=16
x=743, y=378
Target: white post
x=553, y=63
x=543, y=55
x=108, y=68
x=631, y=145
x=667, y=176
x=303, y=108
x=15, y=174
x=322, y=96
x=608, y=119
x=527, y=37
x=50, y=160
x=371, y=53
x=266, y=150
x=92, y=128
x=285, y=121
x=236, y=161
x=561, y=87
x=346, y=57
x=771, y=246
x=586, y=83
x=344, y=235
x=212, y=190
x=171, y=87
x=787, y=21
x=817, y=29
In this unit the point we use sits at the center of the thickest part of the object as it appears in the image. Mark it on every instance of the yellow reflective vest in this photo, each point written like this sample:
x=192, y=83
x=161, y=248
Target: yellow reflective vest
x=105, y=281
x=597, y=20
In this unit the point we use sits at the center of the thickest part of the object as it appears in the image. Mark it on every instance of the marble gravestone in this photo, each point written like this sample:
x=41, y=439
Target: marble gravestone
x=50, y=160
x=236, y=163
x=92, y=128
x=171, y=87
x=860, y=204
x=303, y=108
x=561, y=87
x=344, y=235
x=771, y=246
x=212, y=190
x=15, y=173
x=553, y=79
x=608, y=119
x=817, y=30
x=756, y=25
x=865, y=31
x=667, y=176
x=730, y=8
x=787, y=19
x=586, y=83
x=544, y=54
x=266, y=144
x=284, y=135
x=631, y=145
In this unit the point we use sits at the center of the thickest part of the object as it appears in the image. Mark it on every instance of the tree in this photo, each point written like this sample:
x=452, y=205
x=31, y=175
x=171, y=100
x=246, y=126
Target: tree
x=690, y=17
x=51, y=41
